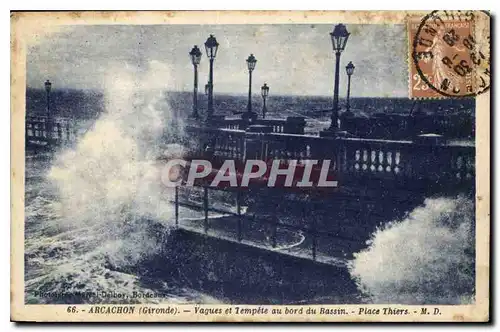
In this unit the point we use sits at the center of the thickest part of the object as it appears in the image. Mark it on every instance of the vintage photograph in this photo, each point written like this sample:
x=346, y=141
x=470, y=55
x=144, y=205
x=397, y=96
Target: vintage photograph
x=284, y=170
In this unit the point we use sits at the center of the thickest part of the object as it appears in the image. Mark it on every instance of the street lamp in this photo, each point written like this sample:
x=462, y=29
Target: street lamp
x=195, y=55
x=48, y=86
x=48, y=128
x=349, y=70
x=211, y=46
x=251, y=61
x=265, y=92
x=339, y=37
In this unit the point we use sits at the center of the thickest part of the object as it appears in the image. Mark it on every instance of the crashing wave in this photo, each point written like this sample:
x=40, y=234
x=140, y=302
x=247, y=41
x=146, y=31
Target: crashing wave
x=426, y=258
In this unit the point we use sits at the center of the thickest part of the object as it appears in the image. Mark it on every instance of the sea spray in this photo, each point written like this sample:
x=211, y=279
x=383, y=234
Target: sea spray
x=110, y=180
x=426, y=258
x=95, y=216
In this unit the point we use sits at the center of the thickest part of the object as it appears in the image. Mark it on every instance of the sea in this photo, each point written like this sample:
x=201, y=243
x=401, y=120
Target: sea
x=88, y=206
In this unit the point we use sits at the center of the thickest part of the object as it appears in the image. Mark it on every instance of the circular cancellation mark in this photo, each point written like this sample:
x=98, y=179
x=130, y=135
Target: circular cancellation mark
x=451, y=52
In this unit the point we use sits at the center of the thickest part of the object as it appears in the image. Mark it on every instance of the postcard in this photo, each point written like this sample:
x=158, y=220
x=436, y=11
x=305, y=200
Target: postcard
x=259, y=166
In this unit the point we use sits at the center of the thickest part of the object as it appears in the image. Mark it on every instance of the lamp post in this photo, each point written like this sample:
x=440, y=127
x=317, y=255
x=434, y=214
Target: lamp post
x=251, y=61
x=349, y=70
x=211, y=46
x=265, y=92
x=48, y=126
x=195, y=55
x=339, y=37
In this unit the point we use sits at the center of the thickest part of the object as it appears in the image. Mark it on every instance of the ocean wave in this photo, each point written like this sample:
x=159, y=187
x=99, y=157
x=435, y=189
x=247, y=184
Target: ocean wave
x=89, y=211
x=426, y=258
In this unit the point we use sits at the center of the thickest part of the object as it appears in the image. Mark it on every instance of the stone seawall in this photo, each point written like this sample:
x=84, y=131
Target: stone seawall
x=241, y=273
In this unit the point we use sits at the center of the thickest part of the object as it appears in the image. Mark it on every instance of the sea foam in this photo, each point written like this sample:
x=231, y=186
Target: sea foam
x=426, y=258
x=110, y=178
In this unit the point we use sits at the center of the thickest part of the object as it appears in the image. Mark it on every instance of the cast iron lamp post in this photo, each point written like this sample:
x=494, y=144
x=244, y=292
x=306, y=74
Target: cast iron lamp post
x=195, y=55
x=48, y=128
x=339, y=37
x=251, y=61
x=211, y=46
x=265, y=92
x=349, y=70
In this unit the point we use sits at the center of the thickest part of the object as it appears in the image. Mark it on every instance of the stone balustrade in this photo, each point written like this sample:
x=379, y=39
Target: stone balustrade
x=290, y=125
x=398, y=126
x=41, y=133
x=418, y=163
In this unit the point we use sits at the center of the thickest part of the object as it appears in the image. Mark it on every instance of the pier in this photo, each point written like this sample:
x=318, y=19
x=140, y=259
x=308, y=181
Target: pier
x=300, y=242
x=376, y=178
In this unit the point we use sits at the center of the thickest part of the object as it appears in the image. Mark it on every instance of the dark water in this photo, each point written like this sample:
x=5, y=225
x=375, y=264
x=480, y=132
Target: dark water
x=87, y=104
x=88, y=262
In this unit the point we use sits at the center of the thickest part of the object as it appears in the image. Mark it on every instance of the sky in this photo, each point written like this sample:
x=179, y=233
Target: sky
x=293, y=59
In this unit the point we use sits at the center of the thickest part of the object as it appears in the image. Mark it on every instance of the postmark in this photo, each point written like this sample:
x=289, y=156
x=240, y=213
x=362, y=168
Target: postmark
x=449, y=54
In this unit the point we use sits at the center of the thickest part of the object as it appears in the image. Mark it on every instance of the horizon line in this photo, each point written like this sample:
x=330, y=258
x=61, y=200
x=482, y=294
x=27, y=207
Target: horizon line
x=223, y=93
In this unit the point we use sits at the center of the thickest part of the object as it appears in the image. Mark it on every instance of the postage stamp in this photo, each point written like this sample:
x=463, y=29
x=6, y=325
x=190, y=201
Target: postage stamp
x=449, y=56
x=250, y=166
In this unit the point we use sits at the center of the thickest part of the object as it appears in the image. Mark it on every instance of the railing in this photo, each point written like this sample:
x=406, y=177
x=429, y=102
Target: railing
x=230, y=144
x=40, y=132
x=379, y=126
x=266, y=231
x=404, y=163
x=278, y=126
x=397, y=126
x=289, y=125
x=235, y=124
